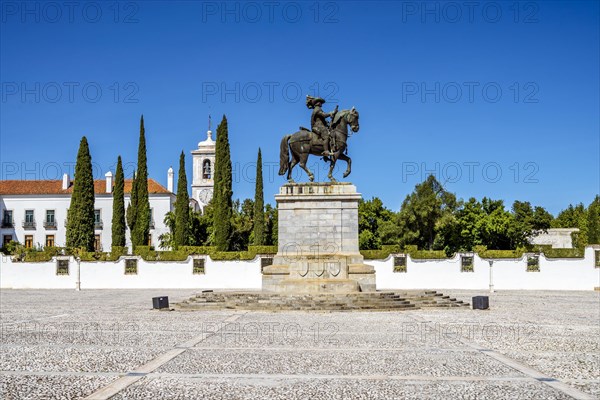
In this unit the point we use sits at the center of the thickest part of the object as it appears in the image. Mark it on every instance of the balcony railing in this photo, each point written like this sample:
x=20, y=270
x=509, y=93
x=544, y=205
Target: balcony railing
x=50, y=224
x=98, y=225
x=29, y=225
x=7, y=224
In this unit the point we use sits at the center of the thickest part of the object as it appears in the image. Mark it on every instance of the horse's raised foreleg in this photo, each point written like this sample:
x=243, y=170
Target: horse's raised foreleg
x=348, y=160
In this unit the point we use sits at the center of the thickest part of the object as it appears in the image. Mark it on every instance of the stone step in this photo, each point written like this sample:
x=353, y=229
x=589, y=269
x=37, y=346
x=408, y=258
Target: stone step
x=307, y=308
x=359, y=301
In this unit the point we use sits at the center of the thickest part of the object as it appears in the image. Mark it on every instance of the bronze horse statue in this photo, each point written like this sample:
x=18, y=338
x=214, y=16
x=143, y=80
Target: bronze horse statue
x=304, y=142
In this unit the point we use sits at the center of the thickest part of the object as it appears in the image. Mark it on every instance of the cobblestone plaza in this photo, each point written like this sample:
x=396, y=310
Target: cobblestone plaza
x=63, y=344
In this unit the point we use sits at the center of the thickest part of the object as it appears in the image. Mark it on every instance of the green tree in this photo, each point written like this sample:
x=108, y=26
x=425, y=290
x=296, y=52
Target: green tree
x=141, y=212
x=465, y=233
x=223, y=204
x=201, y=226
x=528, y=222
x=241, y=223
x=377, y=225
x=80, y=216
x=182, y=207
x=259, y=205
x=166, y=240
x=571, y=217
x=118, y=217
x=574, y=217
x=493, y=228
x=425, y=213
x=368, y=241
x=593, y=221
x=478, y=223
x=271, y=225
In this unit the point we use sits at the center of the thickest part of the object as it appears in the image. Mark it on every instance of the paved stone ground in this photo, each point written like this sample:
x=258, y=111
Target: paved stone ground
x=58, y=344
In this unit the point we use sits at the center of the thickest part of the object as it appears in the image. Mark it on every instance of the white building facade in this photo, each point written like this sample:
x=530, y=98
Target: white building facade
x=558, y=238
x=34, y=213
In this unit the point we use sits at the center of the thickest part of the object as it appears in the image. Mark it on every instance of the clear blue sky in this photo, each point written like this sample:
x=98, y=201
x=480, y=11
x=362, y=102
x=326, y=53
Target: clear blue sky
x=424, y=77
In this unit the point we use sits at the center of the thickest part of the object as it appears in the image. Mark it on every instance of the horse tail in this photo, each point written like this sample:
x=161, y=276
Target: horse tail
x=284, y=155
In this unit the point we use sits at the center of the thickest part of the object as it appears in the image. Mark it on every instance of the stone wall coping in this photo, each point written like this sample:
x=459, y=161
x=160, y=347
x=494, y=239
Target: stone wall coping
x=312, y=197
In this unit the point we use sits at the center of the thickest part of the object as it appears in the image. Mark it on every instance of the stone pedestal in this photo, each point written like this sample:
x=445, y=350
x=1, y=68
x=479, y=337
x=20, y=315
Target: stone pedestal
x=318, y=241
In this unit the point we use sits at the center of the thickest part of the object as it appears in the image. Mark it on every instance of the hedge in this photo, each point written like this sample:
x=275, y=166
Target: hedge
x=564, y=253
x=149, y=254
x=413, y=251
x=481, y=251
x=375, y=254
x=184, y=251
x=547, y=250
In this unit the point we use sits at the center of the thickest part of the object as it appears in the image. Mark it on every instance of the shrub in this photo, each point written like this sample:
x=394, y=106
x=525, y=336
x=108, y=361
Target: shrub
x=172, y=256
x=375, y=254
x=12, y=248
x=197, y=250
x=425, y=254
x=262, y=250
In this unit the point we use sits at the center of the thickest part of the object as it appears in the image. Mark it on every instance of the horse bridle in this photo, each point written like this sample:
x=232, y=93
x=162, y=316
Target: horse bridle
x=350, y=132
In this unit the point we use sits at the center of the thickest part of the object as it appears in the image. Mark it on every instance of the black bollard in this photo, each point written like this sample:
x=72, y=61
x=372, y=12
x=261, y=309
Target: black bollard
x=160, y=302
x=481, y=302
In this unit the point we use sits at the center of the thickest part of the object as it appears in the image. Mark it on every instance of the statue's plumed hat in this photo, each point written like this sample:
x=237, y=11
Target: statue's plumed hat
x=311, y=102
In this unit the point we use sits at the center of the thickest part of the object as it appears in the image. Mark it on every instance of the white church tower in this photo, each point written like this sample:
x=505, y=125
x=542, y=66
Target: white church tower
x=203, y=169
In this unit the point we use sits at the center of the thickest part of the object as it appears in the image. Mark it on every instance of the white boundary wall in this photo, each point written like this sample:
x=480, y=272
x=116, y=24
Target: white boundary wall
x=505, y=274
x=555, y=274
x=150, y=275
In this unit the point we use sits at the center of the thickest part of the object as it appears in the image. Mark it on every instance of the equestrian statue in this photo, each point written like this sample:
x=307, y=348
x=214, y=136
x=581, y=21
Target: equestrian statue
x=328, y=140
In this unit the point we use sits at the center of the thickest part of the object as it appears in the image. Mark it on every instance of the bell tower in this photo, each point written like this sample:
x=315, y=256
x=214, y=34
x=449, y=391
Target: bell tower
x=203, y=159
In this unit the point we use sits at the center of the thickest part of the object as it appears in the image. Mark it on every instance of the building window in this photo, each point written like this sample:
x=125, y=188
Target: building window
x=149, y=240
x=597, y=253
x=206, y=170
x=198, y=268
x=97, y=243
x=29, y=222
x=466, y=264
x=400, y=263
x=151, y=219
x=28, y=241
x=6, y=239
x=97, y=219
x=7, y=219
x=49, y=240
x=50, y=221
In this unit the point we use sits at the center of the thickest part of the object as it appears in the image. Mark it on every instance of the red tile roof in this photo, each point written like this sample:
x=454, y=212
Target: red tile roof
x=26, y=187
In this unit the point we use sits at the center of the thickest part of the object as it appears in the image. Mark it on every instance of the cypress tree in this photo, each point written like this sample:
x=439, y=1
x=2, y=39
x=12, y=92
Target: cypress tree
x=118, y=217
x=182, y=205
x=141, y=223
x=222, y=189
x=80, y=216
x=593, y=221
x=259, y=205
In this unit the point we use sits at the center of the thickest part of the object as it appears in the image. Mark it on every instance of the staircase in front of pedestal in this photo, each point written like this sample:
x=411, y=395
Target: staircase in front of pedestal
x=362, y=301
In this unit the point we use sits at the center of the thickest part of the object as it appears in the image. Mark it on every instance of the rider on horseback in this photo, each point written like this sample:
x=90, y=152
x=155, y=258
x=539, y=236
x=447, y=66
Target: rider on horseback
x=318, y=121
